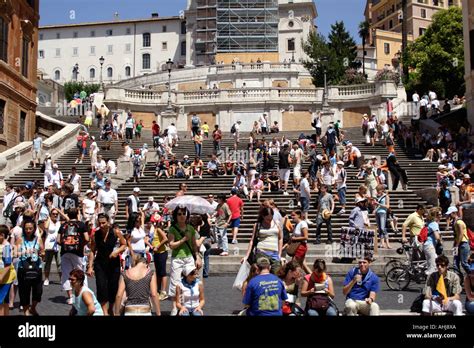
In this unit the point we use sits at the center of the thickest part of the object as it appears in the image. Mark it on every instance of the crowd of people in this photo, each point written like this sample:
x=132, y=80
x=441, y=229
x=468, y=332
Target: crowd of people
x=76, y=226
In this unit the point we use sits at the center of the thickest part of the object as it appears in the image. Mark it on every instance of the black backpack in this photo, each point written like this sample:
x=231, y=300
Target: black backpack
x=43, y=167
x=72, y=236
x=232, y=129
x=9, y=209
x=417, y=305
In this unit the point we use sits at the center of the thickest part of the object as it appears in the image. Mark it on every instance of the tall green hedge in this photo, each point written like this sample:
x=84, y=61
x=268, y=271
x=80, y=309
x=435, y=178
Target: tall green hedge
x=73, y=86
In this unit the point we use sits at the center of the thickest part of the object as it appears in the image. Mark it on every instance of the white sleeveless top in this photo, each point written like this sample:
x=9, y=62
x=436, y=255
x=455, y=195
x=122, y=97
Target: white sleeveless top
x=189, y=295
x=268, y=237
x=52, y=235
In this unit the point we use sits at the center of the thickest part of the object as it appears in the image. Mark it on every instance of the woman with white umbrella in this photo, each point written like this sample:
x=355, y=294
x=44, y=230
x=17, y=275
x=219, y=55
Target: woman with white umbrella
x=182, y=241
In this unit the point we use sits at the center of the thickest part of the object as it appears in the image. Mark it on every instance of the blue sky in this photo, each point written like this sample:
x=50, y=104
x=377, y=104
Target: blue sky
x=60, y=11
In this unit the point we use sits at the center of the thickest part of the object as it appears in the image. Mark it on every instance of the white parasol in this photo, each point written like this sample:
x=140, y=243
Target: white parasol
x=195, y=204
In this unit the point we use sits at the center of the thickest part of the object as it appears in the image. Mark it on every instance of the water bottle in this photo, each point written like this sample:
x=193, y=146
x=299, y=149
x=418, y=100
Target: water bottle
x=236, y=251
x=360, y=281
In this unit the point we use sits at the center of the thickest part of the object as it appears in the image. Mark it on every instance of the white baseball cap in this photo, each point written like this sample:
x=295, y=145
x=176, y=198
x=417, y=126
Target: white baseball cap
x=458, y=182
x=55, y=166
x=340, y=163
x=451, y=210
x=136, y=189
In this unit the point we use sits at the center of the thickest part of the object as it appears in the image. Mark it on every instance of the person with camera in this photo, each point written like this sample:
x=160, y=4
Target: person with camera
x=361, y=286
x=30, y=252
x=443, y=290
x=319, y=289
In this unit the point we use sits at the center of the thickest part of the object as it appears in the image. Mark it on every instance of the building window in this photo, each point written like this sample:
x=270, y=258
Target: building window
x=109, y=32
x=183, y=48
x=2, y=115
x=58, y=35
x=92, y=33
x=22, y=126
x=92, y=50
x=92, y=73
x=75, y=51
x=421, y=31
x=390, y=24
x=25, y=58
x=128, y=71
x=183, y=28
x=58, y=52
x=291, y=45
x=128, y=31
x=164, y=29
x=3, y=39
x=164, y=46
x=146, y=40
x=57, y=75
x=423, y=13
x=110, y=49
x=40, y=37
x=128, y=47
x=75, y=35
x=41, y=53
x=146, y=61
x=110, y=72
x=386, y=48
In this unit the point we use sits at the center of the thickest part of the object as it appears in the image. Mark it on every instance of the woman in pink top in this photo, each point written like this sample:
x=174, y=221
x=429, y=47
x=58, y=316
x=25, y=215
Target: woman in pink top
x=256, y=186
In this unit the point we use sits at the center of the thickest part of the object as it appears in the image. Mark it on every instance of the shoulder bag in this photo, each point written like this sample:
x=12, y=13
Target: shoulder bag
x=252, y=256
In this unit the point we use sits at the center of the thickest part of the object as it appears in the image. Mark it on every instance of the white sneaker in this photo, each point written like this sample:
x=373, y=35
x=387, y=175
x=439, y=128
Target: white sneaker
x=70, y=300
x=224, y=253
x=174, y=312
x=342, y=211
x=191, y=177
x=286, y=193
x=309, y=222
x=234, y=241
x=46, y=282
x=351, y=166
x=425, y=159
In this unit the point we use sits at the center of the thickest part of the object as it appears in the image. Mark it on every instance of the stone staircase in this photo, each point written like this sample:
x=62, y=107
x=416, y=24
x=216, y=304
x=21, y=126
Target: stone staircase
x=421, y=174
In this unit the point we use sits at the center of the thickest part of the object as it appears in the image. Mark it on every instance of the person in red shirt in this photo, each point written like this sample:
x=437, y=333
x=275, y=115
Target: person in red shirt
x=236, y=206
x=155, y=129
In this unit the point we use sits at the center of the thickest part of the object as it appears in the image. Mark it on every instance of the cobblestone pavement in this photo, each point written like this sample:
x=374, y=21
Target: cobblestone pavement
x=221, y=299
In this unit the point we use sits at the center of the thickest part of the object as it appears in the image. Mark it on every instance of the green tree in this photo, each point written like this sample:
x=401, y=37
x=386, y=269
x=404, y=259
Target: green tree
x=436, y=59
x=73, y=86
x=335, y=55
x=364, y=30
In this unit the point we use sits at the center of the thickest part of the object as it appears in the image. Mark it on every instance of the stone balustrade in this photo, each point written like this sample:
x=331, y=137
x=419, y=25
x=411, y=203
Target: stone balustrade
x=292, y=95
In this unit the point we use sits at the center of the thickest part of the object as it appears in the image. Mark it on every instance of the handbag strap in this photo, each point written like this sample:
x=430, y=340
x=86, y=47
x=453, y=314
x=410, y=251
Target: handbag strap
x=187, y=242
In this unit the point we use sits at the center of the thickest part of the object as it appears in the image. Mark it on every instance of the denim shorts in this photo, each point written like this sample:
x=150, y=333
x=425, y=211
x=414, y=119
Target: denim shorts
x=342, y=195
x=304, y=204
x=235, y=222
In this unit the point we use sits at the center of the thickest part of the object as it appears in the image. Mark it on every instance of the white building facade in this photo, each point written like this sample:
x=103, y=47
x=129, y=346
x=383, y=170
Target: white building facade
x=129, y=48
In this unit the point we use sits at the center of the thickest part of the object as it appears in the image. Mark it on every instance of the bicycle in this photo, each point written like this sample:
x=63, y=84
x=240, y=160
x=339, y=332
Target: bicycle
x=398, y=262
x=399, y=278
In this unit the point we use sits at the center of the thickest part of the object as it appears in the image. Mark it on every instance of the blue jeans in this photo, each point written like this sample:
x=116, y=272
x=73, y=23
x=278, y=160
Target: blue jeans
x=222, y=241
x=381, y=217
x=197, y=148
x=205, y=272
x=470, y=307
x=330, y=312
x=463, y=256
x=191, y=313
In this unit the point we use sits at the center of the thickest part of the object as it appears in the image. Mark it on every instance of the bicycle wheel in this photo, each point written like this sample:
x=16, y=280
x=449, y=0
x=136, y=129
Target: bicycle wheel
x=391, y=264
x=398, y=278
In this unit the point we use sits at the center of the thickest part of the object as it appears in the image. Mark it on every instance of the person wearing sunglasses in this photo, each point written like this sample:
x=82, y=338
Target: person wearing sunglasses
x=435, y=300
x=85, y=303
x=185, y=251
x=360, y=288
x=189, y=298
x=50, y=229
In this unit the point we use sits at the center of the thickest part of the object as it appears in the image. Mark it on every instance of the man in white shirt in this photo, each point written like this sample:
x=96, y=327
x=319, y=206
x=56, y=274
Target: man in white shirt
x=151, y=207
x=263, y=124
x=432, y=95
x=132, y=208
x=341, y=178
x=56, y=177
x=143, y=152
x=297, y=155
x=111, y=167
x=212, y=202
x=236, y=134
x=355, y=154
x=305, y=196
x=108, y=201
x=416, y=98
x=100, y=165
x=172, y=135
x=75, y=180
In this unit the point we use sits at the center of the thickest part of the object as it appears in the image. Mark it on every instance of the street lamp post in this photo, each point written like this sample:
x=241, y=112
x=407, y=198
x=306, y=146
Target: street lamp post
x=169, y=65
x=325, y=93
x=101, y=61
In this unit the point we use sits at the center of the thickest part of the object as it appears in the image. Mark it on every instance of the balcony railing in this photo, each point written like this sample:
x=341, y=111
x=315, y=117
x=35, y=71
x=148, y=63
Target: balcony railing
x=255, y=94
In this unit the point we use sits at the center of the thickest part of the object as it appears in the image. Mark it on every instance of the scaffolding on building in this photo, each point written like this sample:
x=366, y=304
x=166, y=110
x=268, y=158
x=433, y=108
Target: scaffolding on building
x=247, y=25
x=206, y=30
